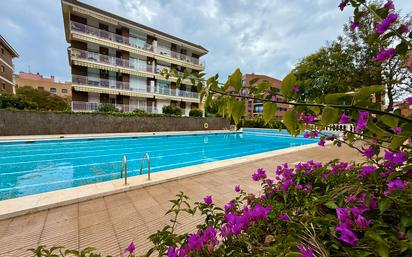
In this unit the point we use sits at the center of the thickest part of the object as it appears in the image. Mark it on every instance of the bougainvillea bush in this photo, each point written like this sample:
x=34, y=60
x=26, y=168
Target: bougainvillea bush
x=310, y=208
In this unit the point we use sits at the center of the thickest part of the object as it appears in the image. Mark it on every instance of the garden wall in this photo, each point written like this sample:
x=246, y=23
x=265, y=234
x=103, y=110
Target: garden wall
x=48, y=123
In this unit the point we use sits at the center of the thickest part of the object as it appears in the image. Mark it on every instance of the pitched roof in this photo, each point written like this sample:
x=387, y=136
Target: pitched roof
x=114, y=16
x=8, y=46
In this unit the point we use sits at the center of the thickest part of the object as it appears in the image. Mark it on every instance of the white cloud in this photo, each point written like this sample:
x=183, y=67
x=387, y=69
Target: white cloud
x=265, y=36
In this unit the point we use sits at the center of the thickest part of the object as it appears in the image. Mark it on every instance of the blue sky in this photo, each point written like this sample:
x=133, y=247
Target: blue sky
x=264, y=36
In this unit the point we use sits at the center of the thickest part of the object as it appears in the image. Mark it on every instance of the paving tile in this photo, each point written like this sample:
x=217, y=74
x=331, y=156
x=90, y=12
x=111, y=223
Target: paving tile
x=95, y=233
x=110, y=223
x=63, y=213
x=93, y=206
x=93, y=219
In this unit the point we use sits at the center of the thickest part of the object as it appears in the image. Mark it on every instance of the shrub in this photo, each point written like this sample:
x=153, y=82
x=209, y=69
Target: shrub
x=172, y=110
x=195, y=113
x=42, y=100
x=107, y=107
x=259, y=122
x=138, y=112
x=13, y=102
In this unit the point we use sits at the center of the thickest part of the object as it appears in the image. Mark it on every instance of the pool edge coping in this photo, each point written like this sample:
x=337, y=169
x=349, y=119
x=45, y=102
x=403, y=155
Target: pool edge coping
x=24, y=138
x=34, y=203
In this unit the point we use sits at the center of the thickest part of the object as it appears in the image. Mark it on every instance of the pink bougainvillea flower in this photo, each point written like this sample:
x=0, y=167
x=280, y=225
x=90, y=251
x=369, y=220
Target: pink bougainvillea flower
x=397, y=130
x=305, y=251
x=389, y=5
x=362, y=121
x=368, y=152
x=343, y=4
x=346, y=234
x=208, y=200
x=306, y=134
x=367, y=170
x=354, y=25
x=283, y=217
x=385, y=54
x=405, y=28
x=308, y=119
x=362, y=222
x=130, y=248
x=274, y=98
x=386, y=23
x=295, y=89
x=409, y=100
x=321, y=142
x=237, y=188
x=344, y=118
x=396, y=184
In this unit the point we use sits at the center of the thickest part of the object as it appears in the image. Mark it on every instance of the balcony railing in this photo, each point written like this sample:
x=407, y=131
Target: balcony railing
x=113, y=84
x=89, y=30
x=110, y=60
x=90, y=106
x=129, y=41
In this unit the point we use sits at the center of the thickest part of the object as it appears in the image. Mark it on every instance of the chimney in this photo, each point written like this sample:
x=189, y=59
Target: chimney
x=52, y=77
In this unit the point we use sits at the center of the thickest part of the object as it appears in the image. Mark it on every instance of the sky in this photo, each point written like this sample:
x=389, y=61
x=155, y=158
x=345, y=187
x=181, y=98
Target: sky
x=257, y=36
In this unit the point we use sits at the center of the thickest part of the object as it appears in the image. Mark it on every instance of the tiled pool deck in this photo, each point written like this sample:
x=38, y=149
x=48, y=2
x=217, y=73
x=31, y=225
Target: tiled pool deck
x=111, y=222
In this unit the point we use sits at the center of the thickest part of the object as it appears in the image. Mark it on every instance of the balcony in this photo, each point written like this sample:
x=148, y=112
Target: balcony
x=129, y=41
x=113, y=84
x=110, y=60
x=103, y=34
x=92, y=107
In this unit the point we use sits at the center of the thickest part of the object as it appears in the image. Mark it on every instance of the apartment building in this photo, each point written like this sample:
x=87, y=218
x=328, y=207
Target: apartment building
x=255, y=107
x=118, y=61
x=7, y=53
x=40, y=82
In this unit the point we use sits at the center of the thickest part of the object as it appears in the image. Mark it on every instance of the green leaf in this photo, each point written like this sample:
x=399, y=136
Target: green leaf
x=314, y=109
x=335, y=98
x=377, y=130
x=402, y=48
x=238, y=109
x=384, y=204
x=365, y=92
x=331, y=205
x=390, y=121
x=406, y=221
x=269, y=111
x=253, y=81
x=235, y=81
x=397, y=141
x=291, y=122
x=330, y=115
x=382, y=250
x=287, y=84
x=293, y=254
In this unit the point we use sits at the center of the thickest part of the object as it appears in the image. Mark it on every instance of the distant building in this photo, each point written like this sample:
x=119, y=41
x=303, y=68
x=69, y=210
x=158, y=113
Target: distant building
x=255, y=107
x=37, y=81
x=118, y=61
x=7, y=53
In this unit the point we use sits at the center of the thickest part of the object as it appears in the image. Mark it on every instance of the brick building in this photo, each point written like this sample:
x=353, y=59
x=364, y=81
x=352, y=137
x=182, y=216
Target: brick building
x=7, y=53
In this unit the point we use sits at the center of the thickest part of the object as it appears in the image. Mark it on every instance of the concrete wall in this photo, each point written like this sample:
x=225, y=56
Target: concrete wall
x=48, y=123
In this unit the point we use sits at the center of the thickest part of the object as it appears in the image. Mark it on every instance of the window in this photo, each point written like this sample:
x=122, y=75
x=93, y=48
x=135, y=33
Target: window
x=53, y=90
x=2, y=68
x=64, y=91
x=40, y=88
x=3, y=85
x=2, y=50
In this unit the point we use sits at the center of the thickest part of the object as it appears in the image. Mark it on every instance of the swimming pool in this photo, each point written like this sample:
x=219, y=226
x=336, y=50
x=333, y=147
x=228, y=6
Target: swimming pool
x=34, y=167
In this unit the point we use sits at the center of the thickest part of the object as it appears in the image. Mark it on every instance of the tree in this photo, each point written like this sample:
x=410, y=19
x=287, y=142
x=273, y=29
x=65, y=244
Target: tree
x=326, y=71
x=42, y=100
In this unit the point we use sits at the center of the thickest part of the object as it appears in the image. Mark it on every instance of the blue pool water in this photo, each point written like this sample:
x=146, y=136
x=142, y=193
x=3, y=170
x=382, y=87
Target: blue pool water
x=28, y=168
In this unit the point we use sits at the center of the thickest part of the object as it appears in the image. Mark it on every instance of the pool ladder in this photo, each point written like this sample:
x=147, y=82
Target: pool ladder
x=146, y=157
x=124, y=167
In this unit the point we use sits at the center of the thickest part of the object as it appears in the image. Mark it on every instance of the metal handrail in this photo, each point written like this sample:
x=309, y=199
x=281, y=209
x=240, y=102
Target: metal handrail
x=124, y=169
x=146, y=157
